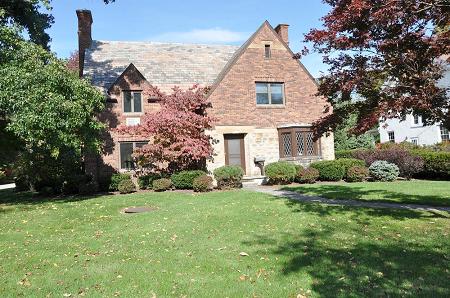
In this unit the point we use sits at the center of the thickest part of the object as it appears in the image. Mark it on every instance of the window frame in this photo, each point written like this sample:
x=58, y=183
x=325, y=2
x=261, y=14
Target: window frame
x=267, y=51
x=389, y=136
x=414, y=141
x=269, y=94
x=444, y=132
x=134, y=144
x=294, y=148
x=132, y=92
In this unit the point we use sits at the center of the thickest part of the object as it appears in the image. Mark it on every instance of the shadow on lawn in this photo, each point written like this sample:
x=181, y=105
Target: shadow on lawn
x=10, y=197
x=362, y=267
x=336, y=191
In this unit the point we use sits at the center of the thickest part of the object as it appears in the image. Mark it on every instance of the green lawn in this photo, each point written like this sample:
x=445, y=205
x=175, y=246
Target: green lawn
x=191, y=247
x=423, y=192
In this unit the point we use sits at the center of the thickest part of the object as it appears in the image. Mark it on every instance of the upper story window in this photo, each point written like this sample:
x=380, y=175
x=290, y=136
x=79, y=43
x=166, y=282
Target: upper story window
x=269, y=93
x=391, y=136
x=416, y=119
x=444, y=134
x=267, y=51
x=297, y=142
x=132, y=102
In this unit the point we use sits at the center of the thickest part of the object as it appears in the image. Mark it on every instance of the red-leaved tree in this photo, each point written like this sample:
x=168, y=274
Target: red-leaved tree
x=390, y=54
x=177, y=131
x=73, y=61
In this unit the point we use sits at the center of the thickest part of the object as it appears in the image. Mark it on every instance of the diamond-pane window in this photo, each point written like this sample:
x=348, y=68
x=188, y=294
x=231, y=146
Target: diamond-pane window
x=310, y=143
x=287, y=144
x=300, y=144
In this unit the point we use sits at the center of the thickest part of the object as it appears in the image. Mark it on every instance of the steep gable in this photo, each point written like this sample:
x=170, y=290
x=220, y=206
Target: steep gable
x=233, y=95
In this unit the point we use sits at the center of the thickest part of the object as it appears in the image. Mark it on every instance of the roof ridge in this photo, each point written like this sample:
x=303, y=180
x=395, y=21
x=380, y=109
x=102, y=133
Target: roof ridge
x=166, y=43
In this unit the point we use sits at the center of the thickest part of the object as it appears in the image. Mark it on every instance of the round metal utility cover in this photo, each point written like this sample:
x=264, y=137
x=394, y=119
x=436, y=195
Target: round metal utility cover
x=138, y=209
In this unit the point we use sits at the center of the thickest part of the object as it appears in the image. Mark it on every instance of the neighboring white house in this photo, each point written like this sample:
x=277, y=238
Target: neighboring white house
x=412, y=129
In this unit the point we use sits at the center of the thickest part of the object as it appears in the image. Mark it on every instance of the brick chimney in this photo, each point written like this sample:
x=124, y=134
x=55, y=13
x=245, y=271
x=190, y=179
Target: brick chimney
x=283, y=32
x=84, y=35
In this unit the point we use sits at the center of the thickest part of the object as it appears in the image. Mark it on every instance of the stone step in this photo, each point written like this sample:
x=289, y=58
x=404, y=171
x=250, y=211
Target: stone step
x=253, y=180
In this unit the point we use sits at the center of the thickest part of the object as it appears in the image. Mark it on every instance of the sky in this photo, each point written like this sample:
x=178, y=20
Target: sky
x=188, y=21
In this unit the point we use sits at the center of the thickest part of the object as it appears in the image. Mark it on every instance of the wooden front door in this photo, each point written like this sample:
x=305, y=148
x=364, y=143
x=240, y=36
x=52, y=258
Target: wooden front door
x=235, y=150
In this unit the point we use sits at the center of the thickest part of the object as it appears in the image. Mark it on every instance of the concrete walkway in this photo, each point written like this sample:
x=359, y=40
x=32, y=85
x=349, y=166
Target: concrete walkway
x=7, y=186
x=292, y=195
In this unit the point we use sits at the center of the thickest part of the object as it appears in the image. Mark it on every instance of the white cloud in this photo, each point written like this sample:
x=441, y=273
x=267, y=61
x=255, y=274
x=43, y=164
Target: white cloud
x=212, y=35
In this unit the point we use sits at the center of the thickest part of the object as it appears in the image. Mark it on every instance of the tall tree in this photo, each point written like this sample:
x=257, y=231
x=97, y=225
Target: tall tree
x=389, y=52
x=177, y=131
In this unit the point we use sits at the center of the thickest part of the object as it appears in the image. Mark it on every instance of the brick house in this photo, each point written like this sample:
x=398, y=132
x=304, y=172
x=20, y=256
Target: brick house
x=263, y=98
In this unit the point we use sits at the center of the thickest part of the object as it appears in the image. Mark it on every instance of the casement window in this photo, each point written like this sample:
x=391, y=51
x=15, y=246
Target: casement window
x=391, y=136
x=126, y=152
x=416, y=119
x=415, y=141
x=297, y=142
x=267, y=51
x=132, y=102
x=269, y=93
x=444, y=134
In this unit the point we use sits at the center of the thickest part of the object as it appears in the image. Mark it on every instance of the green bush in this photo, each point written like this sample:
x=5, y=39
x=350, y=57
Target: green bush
x=344, y=153
x=116, y=179
x=436, y=163
x=88, y=188
x=309, y=175
x=202, y=183
x=382, y=170
x=281, y=172
x=329, y=170
x=146, y=181
x=229, y=176
x=184, y=179
x=357, y=174
x=347, y=163
x=126, y=186
x=162, y=184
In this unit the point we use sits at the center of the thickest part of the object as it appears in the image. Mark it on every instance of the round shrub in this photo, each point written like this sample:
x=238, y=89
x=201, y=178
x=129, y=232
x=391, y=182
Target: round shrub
x=329, y=170
x=146, y=181
x=383, y=171
x=347, y=163
x=309, y=175
x=229, y=176
x=202, y=183
x=357, y=174
x=281, y=172
x=126, y=186
x=184, y=179
x=88, y=188
x=162, y=184
x=116, y=179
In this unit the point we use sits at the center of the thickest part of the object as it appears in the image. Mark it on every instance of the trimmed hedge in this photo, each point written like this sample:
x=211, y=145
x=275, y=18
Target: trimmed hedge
x=344, y=154
x=184, y=179
x=229, y=176
x=382, y=170
x=329, y=170
x=436, y=164
x=202, y=183
x=162, y=184
x=126, y=186
x=281, y=172
x=357, y=174
x=116, y=179
x=309, y=175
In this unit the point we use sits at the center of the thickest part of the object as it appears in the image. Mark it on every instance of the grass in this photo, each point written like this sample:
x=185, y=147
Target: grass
x=190, y=246
x=422, y=192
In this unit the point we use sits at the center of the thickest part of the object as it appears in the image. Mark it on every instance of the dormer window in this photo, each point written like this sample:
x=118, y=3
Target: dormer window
x=132, y=102
x=267, y=52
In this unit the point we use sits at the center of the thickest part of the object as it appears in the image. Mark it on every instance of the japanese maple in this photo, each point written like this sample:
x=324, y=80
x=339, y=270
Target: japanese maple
x=177, y=131
x=390, y=54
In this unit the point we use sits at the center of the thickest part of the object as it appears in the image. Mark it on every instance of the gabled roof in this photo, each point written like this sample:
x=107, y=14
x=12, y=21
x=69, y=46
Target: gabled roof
x=160, y=63
x=130, y=69
x=244, y=47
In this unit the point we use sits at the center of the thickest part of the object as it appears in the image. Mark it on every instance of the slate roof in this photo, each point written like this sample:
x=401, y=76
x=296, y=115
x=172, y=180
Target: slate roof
x=160, y=63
